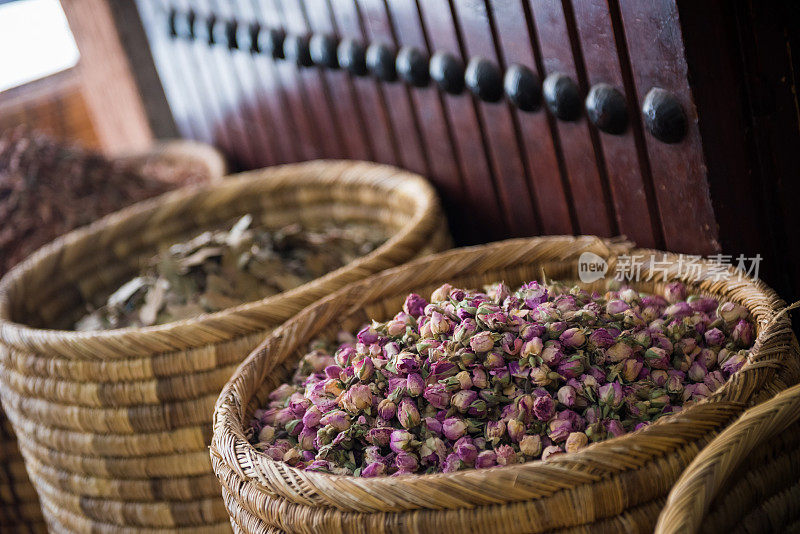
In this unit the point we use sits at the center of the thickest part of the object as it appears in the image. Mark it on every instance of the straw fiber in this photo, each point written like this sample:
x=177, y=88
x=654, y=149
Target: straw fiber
x=614, y=485
x=114, y=425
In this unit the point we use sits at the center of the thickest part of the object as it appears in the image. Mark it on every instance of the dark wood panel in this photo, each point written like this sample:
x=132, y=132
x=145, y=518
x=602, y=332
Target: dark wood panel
x=585, y=170
x=653, y=35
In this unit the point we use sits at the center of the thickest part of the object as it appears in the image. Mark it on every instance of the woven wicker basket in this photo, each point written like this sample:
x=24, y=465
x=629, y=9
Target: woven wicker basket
x=747, y=479
x=114, y=426
x=610, y=486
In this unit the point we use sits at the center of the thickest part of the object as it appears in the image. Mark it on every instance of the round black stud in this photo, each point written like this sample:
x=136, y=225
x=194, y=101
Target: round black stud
x=380, y=62
x=607, y=109
x=484, y=79
x=562, y=96
x=295, y=48
x=523, y=88
x=271, y=42
x=231, y=34
x=664, y=116
x=323, y=51
x=412, y=66
x=254, y=34
x=352, y=57
x=448, y=72
x=212, y=31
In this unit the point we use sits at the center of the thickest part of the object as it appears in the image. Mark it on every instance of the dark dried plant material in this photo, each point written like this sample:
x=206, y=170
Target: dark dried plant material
x=477, y=379
x=48, y=188
x=218, y=269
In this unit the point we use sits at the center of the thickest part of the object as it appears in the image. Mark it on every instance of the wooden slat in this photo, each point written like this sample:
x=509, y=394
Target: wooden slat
x=545, y=177
x=580, y=160
x=255, y=120
x=380, y=131
x=349, y=115
x=315, y=86
x=653, y=35
x=496, y=121
x=397, y=99
x=484, y=206
x=629, y=179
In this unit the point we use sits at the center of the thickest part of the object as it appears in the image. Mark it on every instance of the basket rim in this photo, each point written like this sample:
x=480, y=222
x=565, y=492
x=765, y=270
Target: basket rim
x=256, y=469
x=425, y=216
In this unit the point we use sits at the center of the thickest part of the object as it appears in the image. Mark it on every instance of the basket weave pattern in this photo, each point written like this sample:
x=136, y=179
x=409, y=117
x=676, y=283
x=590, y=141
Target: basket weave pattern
x=114, y=425
x=629, y=475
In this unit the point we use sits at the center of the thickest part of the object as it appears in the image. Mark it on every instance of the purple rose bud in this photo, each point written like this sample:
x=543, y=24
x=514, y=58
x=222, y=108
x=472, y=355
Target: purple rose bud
x=506, y=455
x=374, y=469
x=440, y=324
x=414, y=305
x=364, y=368
x=552, y=355
x=573, y=338
x=732, y=313
x=601, y=339
x=443, y=369
x=550, y=451
x=333, y=371
x=697, y=372
x=479, y=378
x=358, y=397
x=531, y=445
x=743, y=333
x=714, y=380
x=312, y=417
x=406, y=462
x=453, y=428
x=611, y=395
x=559, y=429
x=533, y=347
x=465, y=330
x=486, y=459
x=734, y=362
x=344, y=355
x=674, y=384
x=387, y=409
x=566, y=396
x=482, y=342
x=466, y=450
x=433, y=425
x=576, y=441
x=613, y=427
x=415, y=384
x=462, y=399
x=337, y=419
x=494, y=360
x=615, y=307
x=678, y=310
x=432, y=452
x=619, y=351
x=528, y=331
x=408, y=414
x=438, y=396
x=516, y=430
x=406, y=362
x=306, y=438
x=401, y=440
x=571, y=368
x=266, y=434
x=544, y=408
x=675, y=292
x=714, y=337
x=633, y=369
x=495, y=430
x=452, y=463
x=657, y=358
x=442, y=293
x=592, y=414
x=532, y=294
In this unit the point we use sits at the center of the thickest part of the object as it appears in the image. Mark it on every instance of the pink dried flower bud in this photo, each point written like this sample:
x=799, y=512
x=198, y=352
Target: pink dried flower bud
x=611, y=395
x=406, y=362
x=364, y=368
x=415, y=384
x=462, y=400
x=657, y=358
x=395, y=328
x=613, y=427
x=440, y=324
x=406, y=462
x=570, y=368
x=616, y=307
x=344, y=356
x=453, y=428
x=432, y=451
x=465, y=330
x=506, y=455
x=544, y=408
x=732, y=313
x=358, y=397
x=516, y=430
x=566, y=396
x=714, y=337
x=734, y=362
x=283, y=417
x=552, y=355
x=306, y=439
x=576, y=441
x=401, y=440
x=495, y=430
x=486, y=459
x=714, y=380
x=281, y=393
x=533, y=347
x=674, y=292
x=441, y=293
x=531, y=445
x=550, y=451
x=374, y=469
x=619, y=351
x=266, y=434
x=380, y=436
x=632, y=370
x=452, y=463
x=479, y=378
x=573, y=337
x=466, y=450
x=532, y=294
x=482, y=342
x=743, y=333
x=337, y=419
x=438, y=396
x=312, y=417
x=387, y=409
x=559, y=429
x=414, y=305
x=674, y=384
x=494, y=360
x=697, y=372
x=528, y=331
x=408, y=414
x=601, y=339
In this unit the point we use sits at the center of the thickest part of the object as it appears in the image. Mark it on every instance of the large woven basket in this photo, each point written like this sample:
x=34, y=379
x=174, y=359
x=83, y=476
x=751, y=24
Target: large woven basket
x=747, y=479
x=610, y=486
x=114, y=426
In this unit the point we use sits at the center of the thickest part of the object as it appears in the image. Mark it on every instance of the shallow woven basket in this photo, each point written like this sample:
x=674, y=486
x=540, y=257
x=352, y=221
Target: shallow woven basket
x=611, y=486
x=114, y=426
x=747, y=479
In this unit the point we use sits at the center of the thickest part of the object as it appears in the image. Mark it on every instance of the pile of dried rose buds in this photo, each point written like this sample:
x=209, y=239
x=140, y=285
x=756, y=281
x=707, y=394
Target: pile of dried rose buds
x=482, y=379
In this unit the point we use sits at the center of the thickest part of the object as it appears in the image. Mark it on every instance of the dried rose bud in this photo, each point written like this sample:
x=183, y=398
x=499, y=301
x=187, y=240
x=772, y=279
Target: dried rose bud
x=482, y=342
x=344, y=355
x=697, y=372
x=462, y=400
x=619, y=351
x=406, y=362
x=312, y=417
x=479, y=378
x=516, y=429
x=408, y=414
x=532, y=294
x=494, y=360
x=566, y=396
x=414, y=305
x=495, y=430
x=358, y=397
x=616, y=307
x=374, y=469
x=478, y=409
x=573, y=337
x=438, y=396
x=734, y=362
x=364, y=368
x=440, y=324
x=674, y=292
x=600, y=339
x=465, y=330
x=571, y=368
x=453, y=428
x=613, y=427
x=432, y=451
x=306, y=438
x=611, y=395
x=442, y=293
x=466, y=450
x=387, y=409
x=531, y=445
x=674, y=384
x=528, y=331
x=732, y=313
x=632, y=369
x=659, y=377
x=395, y=328
x=743, y=333
x=506, y=455
x=592, y=414
x=576, y=441
x=452, y=463
x=714, y=380
x=486, y=459
x=401, y=440
x=415, y=384
x=550, y=451
x=406, y=462
x=266, y=434
x=292, y=456
x=714, y=337
x=337, y=419
x=544, y=408
x=559, y=429
x=552, y=355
